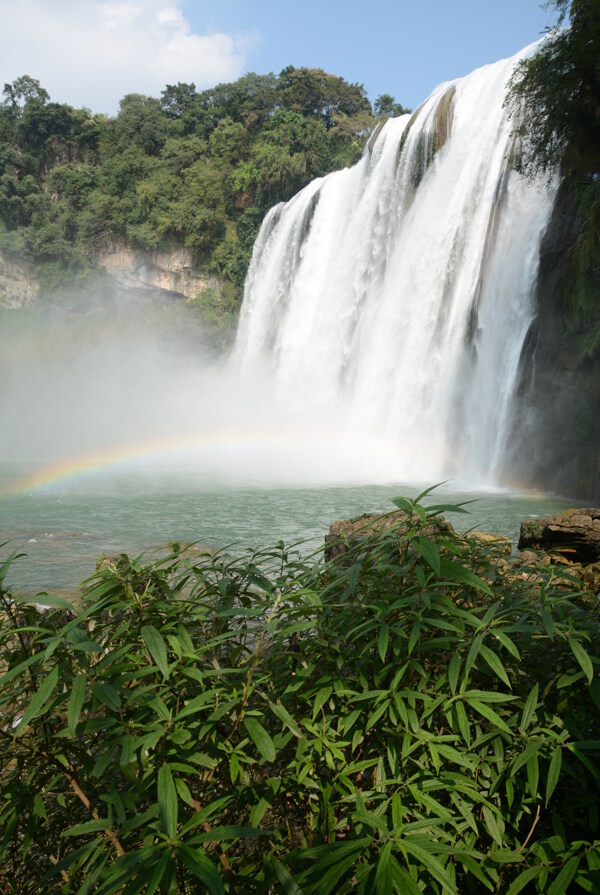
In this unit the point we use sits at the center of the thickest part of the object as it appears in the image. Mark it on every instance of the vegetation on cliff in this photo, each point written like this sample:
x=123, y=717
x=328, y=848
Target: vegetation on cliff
x=555, y=94
x=407, y=717
x=189, y=169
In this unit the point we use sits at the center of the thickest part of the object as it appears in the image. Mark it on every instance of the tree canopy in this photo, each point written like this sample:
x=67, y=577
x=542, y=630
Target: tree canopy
x=194, y=169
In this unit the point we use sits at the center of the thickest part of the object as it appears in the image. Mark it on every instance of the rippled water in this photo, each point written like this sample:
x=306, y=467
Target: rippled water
x=62, y=528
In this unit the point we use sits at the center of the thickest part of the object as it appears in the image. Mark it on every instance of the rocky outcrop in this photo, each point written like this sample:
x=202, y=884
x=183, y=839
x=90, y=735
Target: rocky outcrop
x=565, y=547
x=18, y=284
x=347, y=534
x=173, y=272
x=576, y=533
x=170, y=272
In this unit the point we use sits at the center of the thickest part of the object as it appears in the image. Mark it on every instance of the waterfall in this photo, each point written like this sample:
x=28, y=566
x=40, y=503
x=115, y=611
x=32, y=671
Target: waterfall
x=394, y=297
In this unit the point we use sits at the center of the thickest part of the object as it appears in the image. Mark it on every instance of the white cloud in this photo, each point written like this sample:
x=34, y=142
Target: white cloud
x=93, y=52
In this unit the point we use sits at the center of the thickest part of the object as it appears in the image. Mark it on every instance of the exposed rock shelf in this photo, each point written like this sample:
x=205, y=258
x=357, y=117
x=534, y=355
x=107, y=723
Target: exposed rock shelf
x=173, y=272
x=570, y=539
x=18, y=283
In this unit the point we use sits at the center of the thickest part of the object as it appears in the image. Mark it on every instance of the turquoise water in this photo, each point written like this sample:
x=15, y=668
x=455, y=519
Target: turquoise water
x=62, y=528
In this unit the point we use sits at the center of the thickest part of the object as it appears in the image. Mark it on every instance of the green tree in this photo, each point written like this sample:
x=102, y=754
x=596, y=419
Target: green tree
x=141, y=122
x=177, y=99
x=24, y=89
x=385, y=106
x=554, y=96
x=313, y=93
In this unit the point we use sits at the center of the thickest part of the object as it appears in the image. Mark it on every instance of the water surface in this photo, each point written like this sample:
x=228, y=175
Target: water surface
x=63, y=527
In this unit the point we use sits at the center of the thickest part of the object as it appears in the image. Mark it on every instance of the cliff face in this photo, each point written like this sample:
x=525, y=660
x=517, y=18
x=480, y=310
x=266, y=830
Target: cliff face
x=172, y=272
x=18, y=283
x=555, y=442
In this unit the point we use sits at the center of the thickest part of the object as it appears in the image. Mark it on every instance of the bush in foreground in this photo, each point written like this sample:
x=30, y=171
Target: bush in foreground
x=410, y=720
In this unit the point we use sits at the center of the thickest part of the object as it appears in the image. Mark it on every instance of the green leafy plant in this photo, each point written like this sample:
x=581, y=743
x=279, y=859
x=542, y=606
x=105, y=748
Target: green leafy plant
x=411, y=716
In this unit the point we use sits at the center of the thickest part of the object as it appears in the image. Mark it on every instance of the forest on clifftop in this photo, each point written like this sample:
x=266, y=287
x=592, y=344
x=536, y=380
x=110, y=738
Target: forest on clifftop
x=191, y=169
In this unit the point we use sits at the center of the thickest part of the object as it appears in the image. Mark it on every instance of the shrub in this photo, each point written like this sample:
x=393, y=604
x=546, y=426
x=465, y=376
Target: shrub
x=414, y=719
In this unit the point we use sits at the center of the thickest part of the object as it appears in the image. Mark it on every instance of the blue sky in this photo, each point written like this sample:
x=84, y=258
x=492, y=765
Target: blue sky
x=403, y=47
x=92, y=52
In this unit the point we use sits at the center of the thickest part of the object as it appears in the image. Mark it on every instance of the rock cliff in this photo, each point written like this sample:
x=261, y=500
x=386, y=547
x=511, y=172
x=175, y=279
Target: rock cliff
x=18, y=283
x=555, y=439
x=170, y=272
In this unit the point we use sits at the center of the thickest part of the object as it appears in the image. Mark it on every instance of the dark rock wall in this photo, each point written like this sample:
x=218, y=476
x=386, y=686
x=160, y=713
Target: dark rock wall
x=555, y=439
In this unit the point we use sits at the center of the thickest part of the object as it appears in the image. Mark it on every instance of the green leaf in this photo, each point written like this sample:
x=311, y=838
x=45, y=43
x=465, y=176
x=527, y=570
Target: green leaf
x=457, y=572
x=553, y=773
x=90, y=826
x=382, y=641
x=157, y=648
x=490, y=714
x=495, y=664
x=529, y=708
x=404, y=882
x=167, y=801
x=320, y=699
x=383, y=874
x=463, y=723
x=197, y=704
x=14, y=672
x=429, y=490
x=107, y=695
x=492, y=825
x=583, y=658
x=76, y=702
x=234, y=767
x=507, y=643
x=453, y=672
x=506, y=856
x=202, y=867
x=430, y=552
x=290, y=887
x=158, y=873
x=548, y=622
x=524, y=879
x=533, y=775
x=260, y=738
x=471, y=657
x=37, y=703
x=414, y=637
x=431, y=864
x=404, y=504
x=565, y=877
x=39, y=809
x=376, y=715
x=284, y=716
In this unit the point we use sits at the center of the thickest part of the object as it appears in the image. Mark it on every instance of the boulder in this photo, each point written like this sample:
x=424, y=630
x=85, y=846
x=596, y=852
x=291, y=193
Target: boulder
x=575, y=532
x=346, y=534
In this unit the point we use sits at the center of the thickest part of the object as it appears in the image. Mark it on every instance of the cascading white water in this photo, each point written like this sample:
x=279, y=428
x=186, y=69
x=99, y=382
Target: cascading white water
x=394, y=297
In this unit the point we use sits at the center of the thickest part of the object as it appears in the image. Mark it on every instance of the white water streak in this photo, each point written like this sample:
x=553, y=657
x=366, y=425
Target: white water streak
x=394, y=297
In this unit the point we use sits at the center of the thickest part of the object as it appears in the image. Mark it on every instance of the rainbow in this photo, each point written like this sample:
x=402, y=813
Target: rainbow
x=89, y=464
x=281, y=446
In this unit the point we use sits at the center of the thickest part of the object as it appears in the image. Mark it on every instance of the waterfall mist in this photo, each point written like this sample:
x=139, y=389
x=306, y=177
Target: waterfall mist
x=103, y=388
